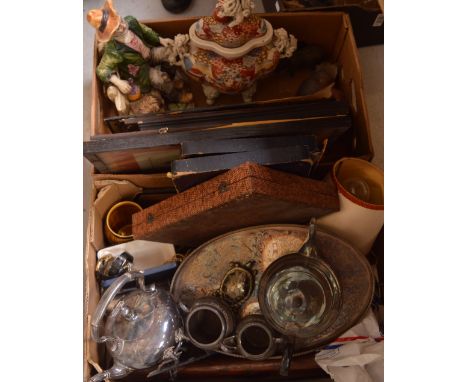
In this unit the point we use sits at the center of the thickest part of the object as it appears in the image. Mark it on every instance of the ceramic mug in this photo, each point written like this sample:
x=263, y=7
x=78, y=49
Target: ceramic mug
x=209, y=322
x=361, y=193
x=118, y=222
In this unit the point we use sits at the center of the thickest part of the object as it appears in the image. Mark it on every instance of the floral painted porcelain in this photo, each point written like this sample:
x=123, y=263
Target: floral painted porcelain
x=230, y=50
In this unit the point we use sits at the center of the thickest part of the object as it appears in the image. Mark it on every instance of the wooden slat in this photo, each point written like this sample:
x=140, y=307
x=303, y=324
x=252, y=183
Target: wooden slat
x=224, y=146
x=219, y=365
x=147, y=181
x=187, y=173
x=224, y=116
x=147, y=139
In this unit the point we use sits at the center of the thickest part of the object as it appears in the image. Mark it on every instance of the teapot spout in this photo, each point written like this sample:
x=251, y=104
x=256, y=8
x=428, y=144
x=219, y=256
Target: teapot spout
x=115, y=372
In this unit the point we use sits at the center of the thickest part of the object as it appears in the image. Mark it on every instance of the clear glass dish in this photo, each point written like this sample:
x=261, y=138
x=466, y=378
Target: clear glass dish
x=299, y=296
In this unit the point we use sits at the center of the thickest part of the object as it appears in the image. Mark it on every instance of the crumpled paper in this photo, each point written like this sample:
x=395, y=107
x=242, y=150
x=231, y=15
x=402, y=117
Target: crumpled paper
x=357, y=356
x=146, y=254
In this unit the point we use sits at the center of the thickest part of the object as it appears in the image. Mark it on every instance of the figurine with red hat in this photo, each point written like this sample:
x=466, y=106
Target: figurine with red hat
x=129, y=49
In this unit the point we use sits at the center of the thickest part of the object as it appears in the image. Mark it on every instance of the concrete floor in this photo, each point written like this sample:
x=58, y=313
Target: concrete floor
x=372, y=62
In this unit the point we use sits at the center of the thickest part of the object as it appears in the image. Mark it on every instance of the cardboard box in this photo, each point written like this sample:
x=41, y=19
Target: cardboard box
x=106, y=190
x=212, y=368
x=366, y=17
x=331, y=30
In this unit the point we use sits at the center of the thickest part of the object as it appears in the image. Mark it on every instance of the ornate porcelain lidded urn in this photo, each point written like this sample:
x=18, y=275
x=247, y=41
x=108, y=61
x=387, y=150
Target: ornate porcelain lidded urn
x=230, y=50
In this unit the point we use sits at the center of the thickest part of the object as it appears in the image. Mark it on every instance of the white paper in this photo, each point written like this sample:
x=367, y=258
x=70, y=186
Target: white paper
x=357, y=356
x=146, y=254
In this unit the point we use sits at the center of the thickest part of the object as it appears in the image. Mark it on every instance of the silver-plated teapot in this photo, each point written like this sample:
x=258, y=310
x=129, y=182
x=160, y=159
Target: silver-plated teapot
x=143, y=329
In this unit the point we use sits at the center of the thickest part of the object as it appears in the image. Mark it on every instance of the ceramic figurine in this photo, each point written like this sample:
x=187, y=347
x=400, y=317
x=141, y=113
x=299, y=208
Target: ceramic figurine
x=322, y=79
x=173, y=87
x=230, y=50
x=128, y=51
x=305, y=57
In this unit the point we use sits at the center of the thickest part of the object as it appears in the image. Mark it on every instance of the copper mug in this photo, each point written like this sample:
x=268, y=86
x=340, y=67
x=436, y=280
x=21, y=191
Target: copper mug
x=118, y=222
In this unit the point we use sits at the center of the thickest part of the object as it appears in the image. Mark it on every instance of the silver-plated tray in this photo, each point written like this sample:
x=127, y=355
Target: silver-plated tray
x=202, y=272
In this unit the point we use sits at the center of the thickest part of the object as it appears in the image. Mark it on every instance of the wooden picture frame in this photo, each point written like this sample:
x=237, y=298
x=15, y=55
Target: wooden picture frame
x=153, y=151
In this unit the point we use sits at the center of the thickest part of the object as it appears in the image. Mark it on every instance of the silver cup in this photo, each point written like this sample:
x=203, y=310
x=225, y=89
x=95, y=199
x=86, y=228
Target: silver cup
x=209, y=322
x=254, y=338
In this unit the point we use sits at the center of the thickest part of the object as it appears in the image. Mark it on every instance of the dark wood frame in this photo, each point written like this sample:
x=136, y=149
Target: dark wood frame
x=324, y=128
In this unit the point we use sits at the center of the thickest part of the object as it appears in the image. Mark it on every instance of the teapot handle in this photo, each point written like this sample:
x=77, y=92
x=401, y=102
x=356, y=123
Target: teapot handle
x=106, y=298
x=309, y=248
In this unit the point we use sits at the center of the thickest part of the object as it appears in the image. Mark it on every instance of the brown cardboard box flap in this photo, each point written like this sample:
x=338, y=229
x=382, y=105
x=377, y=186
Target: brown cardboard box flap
x=110, y=192
x=247, y=195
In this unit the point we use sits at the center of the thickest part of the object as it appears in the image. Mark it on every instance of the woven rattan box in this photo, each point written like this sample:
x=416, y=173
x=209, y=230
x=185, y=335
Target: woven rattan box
x=245, y=196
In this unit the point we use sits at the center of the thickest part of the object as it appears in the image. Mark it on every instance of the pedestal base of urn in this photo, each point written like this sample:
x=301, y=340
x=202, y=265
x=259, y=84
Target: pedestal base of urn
x=247, y=95
x=211, y=93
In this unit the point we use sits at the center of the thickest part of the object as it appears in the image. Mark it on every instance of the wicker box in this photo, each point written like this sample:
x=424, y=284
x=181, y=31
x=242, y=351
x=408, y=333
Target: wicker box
x=245, y=196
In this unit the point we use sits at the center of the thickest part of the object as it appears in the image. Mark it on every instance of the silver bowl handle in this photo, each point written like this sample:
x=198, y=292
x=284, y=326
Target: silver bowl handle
x=286, y=359
x=309, y=248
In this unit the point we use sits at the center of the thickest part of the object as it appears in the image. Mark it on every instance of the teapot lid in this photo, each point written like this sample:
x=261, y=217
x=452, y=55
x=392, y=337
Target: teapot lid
x=132, y=317
x=232, y=26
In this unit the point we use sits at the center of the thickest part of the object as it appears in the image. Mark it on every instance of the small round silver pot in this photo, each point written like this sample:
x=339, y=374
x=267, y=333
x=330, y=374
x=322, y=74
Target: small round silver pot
x=209, y=321
x=254, y=338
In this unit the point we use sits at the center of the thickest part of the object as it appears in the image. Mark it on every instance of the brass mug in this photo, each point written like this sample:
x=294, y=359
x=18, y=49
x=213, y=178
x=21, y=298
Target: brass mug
x=118, y=222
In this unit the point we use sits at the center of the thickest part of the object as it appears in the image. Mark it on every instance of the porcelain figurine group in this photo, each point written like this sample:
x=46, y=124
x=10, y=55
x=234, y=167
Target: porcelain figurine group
x=227, y=52
x=130, y=67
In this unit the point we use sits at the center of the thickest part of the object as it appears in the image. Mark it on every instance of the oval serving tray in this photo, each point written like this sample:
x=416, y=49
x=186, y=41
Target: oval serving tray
x=202, y=272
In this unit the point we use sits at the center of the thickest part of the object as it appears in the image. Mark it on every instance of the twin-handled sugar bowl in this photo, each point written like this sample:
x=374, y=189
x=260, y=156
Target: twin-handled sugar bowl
x=254, y=339
x=209, y=322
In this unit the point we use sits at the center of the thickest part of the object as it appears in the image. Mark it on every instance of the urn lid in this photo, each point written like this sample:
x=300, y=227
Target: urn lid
x=232, y=31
